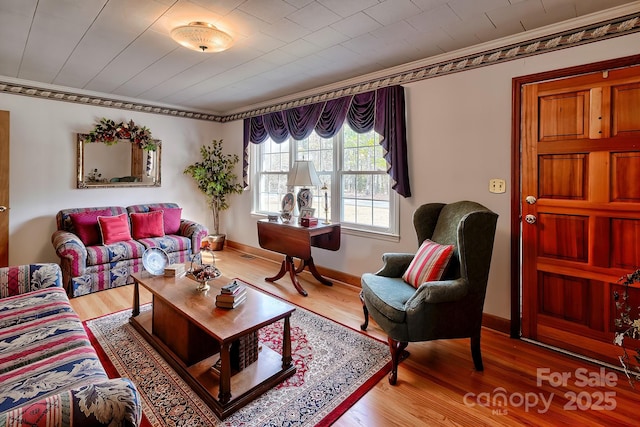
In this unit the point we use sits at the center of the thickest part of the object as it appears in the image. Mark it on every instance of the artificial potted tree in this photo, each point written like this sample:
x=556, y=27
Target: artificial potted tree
x=216, y=179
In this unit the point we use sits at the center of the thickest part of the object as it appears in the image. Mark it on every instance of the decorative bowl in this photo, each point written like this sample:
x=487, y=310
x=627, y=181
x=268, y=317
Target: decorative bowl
x=201, y=274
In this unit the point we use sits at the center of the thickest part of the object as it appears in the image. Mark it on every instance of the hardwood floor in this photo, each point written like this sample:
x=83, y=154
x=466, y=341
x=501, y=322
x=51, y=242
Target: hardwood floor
x=437, y=384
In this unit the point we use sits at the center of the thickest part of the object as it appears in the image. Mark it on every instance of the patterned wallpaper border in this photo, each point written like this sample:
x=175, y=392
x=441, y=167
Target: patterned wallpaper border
x=588, y=34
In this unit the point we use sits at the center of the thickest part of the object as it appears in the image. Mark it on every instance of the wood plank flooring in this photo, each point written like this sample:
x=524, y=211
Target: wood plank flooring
x=437, y=384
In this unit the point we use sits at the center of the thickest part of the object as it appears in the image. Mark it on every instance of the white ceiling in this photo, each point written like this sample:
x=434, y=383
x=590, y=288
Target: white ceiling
x=123, y=48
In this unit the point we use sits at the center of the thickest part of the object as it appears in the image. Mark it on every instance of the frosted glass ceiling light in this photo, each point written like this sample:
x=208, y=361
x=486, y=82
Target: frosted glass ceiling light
x=202, y=36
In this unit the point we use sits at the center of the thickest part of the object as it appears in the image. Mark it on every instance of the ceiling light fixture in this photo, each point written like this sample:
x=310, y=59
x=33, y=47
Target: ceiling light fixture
x=202, y=36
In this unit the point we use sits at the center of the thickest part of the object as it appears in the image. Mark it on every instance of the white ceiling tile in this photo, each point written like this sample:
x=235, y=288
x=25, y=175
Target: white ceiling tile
x=278, y=57
x=429, y=4
x=142, y=53
x=42, y=63
x=299, y=4
x=432, y=42
x=390, y=11
x=356, y=25
x=552, y=14
x=21, y=8
x=397, y=31
x=348, y=8
x=465, y=32
x=441, y=16
x=515, y=12
x=159, y=72
x=314, y=16
x=326, y=37
x=261, y=42
x=300, y=48
x=14, y=32
x=196, y=91
x=268, y=10
x=286, y=30
x=584, y=7
x=221, y=7
x=504, y=30
x=466, y=9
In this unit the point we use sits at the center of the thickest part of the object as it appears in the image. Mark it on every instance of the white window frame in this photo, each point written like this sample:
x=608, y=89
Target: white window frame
x=392, y=232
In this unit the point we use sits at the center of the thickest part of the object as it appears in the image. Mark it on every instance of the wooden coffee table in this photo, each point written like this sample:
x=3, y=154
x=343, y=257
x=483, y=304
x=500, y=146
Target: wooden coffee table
x=192, y=334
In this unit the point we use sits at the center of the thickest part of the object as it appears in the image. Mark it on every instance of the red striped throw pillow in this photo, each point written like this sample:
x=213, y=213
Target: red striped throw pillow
x=428, y=264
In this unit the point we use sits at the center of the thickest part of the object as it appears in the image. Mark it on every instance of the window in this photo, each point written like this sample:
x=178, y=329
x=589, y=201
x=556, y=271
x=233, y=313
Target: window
x=351, y=165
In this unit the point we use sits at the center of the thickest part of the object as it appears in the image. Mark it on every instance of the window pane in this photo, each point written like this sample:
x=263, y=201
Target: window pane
x=381, y=197
x=273, y=187
x=364, y=213
x=356, y=180
x=363, y=186
x=272, y=175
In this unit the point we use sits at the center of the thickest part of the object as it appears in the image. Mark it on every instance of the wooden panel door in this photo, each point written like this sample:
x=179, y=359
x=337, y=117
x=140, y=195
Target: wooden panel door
x=580, y=203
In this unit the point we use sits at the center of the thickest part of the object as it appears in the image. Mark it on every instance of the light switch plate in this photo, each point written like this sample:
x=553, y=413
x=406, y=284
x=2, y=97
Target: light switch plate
x=497, y=185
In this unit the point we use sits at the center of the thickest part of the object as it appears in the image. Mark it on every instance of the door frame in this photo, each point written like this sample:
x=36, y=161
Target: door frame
x=5, y=121
x=516, y=161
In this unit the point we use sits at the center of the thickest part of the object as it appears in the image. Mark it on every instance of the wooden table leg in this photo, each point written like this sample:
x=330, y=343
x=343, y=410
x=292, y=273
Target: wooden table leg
x=136, y=299
x=316, y=274
x=283, y=270
x=286, y=344
x=224, y=394
x=288, y=265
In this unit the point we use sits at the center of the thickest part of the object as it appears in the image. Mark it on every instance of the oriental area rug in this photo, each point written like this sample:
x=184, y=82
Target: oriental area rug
x=335, y=366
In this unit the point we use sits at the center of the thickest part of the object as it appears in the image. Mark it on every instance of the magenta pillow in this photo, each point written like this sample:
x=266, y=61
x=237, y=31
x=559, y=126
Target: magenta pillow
x=171, y=219
x=428, y=264
x=85, y=225
x=148, y=224
x=114, y=229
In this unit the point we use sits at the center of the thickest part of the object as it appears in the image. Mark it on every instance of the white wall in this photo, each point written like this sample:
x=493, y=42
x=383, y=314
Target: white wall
x=43, y=168
x=459, y=134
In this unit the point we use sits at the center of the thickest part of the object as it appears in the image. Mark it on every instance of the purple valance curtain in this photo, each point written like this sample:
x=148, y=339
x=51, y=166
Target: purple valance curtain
x=382, y=110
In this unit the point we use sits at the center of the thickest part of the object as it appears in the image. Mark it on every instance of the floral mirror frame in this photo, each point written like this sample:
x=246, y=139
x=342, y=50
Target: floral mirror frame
x=116, y=164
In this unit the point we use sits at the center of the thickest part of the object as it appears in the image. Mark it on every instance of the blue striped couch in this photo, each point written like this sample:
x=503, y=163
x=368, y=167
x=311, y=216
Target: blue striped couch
x=50, y=375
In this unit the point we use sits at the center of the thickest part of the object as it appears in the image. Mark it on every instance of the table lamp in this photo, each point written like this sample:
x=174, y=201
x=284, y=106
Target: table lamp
x=303, y=174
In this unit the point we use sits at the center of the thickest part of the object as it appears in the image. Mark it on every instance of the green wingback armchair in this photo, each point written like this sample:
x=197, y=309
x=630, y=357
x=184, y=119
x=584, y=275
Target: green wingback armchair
x=448, y=308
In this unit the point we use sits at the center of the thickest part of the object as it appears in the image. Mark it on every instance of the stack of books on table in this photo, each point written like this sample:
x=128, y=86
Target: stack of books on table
x=231, y=295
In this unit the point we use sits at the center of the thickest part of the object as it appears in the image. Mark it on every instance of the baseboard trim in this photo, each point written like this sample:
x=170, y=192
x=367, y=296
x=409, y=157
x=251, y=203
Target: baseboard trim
x=496, y=323
x=490, y=321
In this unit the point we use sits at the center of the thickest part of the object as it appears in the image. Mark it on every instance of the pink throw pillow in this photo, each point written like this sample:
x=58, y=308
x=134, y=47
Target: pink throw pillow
x=428, y=264
x=114, y=229
x=85, y=225
x=148, y=224
x=171, y=219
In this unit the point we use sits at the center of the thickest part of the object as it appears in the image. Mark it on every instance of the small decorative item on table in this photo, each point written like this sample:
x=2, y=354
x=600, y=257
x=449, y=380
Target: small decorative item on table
x=308, y=222
x=174, y=270
x=272, y=217
x=288, y=203
x=202, y=273
x=306, y=213
x=285, y=216
x=154, y=261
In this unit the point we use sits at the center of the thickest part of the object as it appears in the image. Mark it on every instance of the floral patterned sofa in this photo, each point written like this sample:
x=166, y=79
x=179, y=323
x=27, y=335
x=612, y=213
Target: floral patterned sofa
x=90, y=263
x=50, y=375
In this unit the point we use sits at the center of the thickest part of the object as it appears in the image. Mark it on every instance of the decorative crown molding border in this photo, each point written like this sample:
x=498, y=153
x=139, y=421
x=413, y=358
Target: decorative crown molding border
x=78, y=98
x=588, y=34
x=611, y=28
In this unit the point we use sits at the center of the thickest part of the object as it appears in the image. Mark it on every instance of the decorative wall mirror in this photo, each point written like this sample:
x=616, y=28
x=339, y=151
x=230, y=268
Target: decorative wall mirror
x=120, y=164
